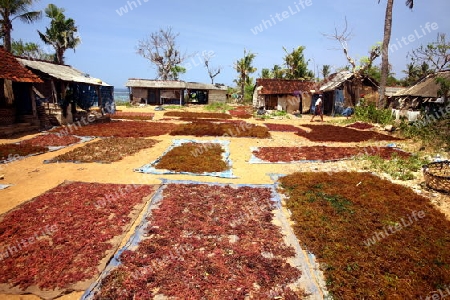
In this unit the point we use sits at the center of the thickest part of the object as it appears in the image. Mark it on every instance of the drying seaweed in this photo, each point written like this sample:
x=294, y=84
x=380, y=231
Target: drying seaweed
x=374, y=239
x=107, y=150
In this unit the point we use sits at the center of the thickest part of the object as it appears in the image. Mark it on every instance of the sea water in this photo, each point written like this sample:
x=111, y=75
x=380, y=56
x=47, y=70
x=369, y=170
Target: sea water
x=121, y=95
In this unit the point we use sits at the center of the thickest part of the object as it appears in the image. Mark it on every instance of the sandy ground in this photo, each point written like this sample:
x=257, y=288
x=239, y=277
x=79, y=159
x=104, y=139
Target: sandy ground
x=30, y=177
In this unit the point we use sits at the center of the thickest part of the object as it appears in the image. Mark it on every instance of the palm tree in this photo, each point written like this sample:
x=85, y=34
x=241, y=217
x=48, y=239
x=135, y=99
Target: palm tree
x=297, y=67
x=385, y=47
x=11, y=10
x=61, y=34
x=244, y=68
x=326, y=69
x=278, y=72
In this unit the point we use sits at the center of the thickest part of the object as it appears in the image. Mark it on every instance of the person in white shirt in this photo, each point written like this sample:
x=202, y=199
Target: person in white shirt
x=318, y=109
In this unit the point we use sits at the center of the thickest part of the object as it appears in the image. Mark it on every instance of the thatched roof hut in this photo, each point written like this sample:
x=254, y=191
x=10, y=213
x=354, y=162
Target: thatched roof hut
x=424, y=91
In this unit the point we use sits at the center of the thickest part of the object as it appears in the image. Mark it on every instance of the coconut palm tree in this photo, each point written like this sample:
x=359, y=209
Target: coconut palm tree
x=61, y=34
x=11, y=10
x=244, y=68
x=326, y=69
x=385, y=47
x=297, y=66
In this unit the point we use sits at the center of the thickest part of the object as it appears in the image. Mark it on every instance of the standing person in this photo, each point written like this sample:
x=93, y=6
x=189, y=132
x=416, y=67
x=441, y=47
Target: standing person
x=318, y=108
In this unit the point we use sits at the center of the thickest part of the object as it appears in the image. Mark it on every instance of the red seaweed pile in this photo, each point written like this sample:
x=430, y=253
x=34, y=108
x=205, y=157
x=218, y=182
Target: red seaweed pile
x=207, y=242
x=360, y=125
x=374, y=239
x=323, y=153
x=51, y=140
x=282, y=127
x=242, y=129
x=107, y=150
x=194, y=158
x=59, y=238
x=330, y=133
x=137, y=116
x=10, y=152
x=120, y=129
x=196, y=115
x=241, y=112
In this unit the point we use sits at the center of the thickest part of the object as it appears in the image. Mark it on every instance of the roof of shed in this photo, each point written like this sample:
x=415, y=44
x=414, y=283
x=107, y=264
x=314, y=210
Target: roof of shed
x=172, y=84
x=392, y=90
x=61, y=72
x=11, y=69
x=335, y=80
x=275, y=86
x=426, y=87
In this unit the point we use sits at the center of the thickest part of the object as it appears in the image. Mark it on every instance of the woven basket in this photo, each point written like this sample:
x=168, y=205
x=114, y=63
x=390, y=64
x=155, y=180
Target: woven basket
x=437, y=176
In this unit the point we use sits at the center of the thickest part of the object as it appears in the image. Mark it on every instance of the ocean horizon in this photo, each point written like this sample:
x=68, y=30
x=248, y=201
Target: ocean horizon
x=121, y=94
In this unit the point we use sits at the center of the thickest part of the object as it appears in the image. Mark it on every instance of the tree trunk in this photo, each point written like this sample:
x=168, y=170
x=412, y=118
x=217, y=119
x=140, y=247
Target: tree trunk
x=60, y=56
x=385, y=52
x=7, y=28
x=243, y=78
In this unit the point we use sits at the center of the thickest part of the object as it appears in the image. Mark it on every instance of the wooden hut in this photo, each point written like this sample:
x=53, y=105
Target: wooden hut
x=160, y=92
x=288, y=95
x=424, y=94
x=17, y=103
x=339, y=91
x=58, y=79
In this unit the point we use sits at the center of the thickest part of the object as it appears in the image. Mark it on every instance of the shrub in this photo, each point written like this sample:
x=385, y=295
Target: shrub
x=369, y=113
x=434, y=133
x=398, y=168
x=218, y=106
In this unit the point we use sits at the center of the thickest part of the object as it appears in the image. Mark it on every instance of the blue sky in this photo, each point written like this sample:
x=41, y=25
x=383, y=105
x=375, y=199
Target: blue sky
x=110, y=31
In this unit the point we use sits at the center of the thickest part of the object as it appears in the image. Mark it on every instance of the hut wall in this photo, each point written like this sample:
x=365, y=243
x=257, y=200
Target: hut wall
x=139, y=93
x=217, y=96
x=306, y=102
x=349, y=95
x=258, y=98
x=271, y=102
x=8, y=92
x=370, y=94
x=45, y=89
x=289, y=103
x=2, y=92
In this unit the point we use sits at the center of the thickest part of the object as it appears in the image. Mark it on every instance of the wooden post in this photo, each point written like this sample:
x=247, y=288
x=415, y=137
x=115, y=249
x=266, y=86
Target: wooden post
x=2, y=92
x=33, y=103
x=99, y=96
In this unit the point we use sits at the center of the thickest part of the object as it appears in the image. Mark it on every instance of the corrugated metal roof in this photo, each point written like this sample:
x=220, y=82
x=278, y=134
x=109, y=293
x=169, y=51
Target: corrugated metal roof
x=11, y=69
x=171, y=84
x=335, y=80
x=427, y=87
x=62, y=72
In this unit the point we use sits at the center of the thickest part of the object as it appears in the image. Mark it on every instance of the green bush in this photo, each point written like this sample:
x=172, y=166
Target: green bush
x=397, y=168
x=434, y=133
x=278, y=113
x=370, y=113
x=123, y=103
x=173, y=107
x=218, y=106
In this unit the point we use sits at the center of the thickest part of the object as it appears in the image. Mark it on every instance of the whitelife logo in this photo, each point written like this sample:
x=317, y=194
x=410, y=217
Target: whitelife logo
x=279, y=17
